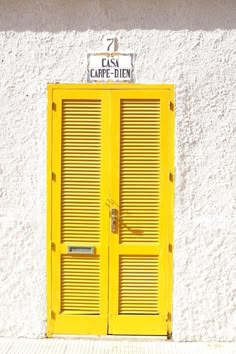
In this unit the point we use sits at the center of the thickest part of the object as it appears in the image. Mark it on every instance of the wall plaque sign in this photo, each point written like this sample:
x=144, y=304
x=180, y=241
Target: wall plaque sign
x=109, y=66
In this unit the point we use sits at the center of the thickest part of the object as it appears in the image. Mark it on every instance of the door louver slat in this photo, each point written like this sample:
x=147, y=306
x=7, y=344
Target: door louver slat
x=81, y=175
x=139, y=285
x=140, y=171
x=80, y=287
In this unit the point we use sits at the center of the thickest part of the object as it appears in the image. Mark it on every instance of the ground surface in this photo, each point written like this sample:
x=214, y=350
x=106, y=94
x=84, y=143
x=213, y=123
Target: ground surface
x=111, y=346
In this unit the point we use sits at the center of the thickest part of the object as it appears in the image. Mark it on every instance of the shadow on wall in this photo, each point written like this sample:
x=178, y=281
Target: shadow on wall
x=81, y=15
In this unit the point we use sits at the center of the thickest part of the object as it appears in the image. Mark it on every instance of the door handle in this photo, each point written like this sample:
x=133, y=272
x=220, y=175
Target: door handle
x=114, y=221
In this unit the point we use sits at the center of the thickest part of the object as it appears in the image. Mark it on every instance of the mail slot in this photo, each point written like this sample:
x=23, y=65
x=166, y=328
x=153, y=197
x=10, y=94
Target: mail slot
x=80, y=250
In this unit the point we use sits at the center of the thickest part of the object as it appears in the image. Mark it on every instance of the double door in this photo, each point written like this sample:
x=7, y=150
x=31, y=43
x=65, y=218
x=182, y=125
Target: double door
x=110, y=187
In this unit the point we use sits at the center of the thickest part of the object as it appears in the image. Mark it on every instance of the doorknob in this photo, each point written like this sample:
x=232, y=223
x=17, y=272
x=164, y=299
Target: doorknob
x=114, y=221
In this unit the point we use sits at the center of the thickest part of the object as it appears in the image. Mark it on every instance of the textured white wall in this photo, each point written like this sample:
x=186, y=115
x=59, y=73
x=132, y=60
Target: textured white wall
x=189, y=43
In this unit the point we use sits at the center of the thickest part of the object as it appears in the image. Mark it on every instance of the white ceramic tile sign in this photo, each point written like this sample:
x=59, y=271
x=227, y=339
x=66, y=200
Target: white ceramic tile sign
x=110, y=66
x=118, y=67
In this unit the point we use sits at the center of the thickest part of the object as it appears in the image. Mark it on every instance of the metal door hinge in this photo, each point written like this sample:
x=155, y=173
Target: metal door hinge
x=53, y=315
x=171, y=177
x=54, y=106
x=53, y=176
x=172, y=107
x=53, y=246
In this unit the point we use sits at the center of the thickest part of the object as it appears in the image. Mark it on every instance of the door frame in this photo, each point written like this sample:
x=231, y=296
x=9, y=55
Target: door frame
x=50, y=176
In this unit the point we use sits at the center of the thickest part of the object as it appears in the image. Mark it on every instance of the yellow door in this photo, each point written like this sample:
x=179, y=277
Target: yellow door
x=80, y=221
x=139, y=189
x=110, y=209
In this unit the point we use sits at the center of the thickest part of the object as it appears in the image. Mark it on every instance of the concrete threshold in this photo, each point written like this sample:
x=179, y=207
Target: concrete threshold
x=113, y=337
x=118, y=345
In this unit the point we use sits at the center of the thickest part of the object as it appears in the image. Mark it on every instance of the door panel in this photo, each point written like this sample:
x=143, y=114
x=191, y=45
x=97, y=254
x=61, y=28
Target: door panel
x=138, y=248
x=80, y=214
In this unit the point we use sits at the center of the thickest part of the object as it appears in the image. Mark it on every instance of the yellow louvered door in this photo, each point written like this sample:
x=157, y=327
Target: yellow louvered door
x=139, y=200
x=80, y=216
x=110, y=212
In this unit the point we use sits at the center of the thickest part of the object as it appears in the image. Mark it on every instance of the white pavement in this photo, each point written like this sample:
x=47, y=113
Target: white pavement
x=112, y=345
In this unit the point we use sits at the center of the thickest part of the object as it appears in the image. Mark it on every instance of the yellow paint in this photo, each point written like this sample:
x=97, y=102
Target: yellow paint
x=139, y=224
x=95, y=294
x=170, y=218
x=49, y=212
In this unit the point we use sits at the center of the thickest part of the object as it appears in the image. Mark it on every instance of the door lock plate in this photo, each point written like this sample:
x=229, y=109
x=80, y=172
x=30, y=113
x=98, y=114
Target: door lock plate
x=114, y=221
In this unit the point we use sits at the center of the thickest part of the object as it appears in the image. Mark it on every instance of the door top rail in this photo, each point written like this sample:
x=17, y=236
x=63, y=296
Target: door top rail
x=109, y=86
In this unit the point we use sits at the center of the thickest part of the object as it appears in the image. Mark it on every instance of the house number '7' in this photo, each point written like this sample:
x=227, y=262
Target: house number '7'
x=111, y=44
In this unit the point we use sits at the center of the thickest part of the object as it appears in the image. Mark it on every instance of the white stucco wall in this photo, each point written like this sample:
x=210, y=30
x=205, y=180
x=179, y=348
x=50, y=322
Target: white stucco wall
x=188, y=43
